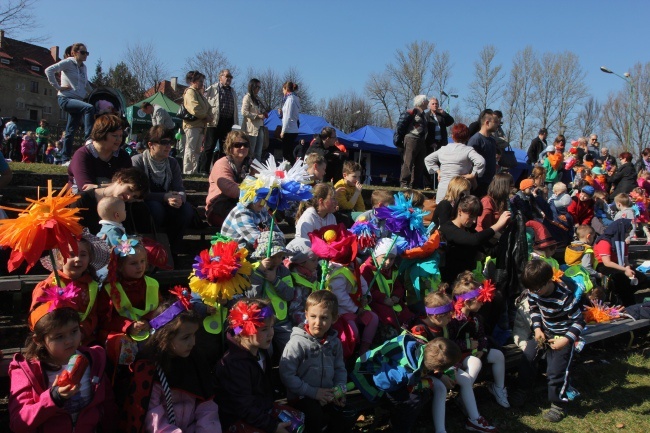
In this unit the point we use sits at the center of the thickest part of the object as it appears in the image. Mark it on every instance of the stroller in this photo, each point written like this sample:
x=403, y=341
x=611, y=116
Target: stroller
x=108, y=100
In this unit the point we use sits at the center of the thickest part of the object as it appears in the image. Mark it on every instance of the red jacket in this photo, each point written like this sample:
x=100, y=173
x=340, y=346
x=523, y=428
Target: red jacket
x=32, y=409
x=581, y=211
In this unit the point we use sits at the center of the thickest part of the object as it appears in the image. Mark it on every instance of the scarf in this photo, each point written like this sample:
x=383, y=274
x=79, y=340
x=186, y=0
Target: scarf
x=158, y=172
x=243, y=172
x=556, y=160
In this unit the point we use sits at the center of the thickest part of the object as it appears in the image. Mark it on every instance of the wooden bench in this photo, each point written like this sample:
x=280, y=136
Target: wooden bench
x=602, y=331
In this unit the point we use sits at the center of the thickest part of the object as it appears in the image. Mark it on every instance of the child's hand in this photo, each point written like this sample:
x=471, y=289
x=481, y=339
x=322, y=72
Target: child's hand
x=324, y=396
x=282, y=427
x=479, y=355
x=539, y=336
x=270, y=274
x=339, y=401
x=65, y=391
x=558, y=343
x=449, y=384
x=389, y=302
x=359, y=186
x=139, y=326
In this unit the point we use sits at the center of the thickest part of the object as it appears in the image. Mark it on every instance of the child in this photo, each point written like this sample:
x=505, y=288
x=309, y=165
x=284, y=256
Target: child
x=112, y=211
x=78, y=271
x=466, y=329
x=49, y=153
x=272, y=280
x=625, y=211
x=643, y=180
x=640, y=198
x=525, y=199
x=37, y=400
x=314, y=347
x=560, y=198
x=543, y=244
x=58, y=155
x=42, y=138
x=244, y=393
x=379, y=198
x=348, y=189
x=28, y=147
x=582, y=206
x=387, y=290
x=600, y=179
x=557, y=324
x=603, y=215
x=553, y=163
x=439, y=309
x=181, y=398
x=303, y=266
x=316, y=212
x=581, y=252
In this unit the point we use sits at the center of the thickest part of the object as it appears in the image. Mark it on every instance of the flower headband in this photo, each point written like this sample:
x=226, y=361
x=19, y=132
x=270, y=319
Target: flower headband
x=183, y=304
x=245, y=318
x=483, y=293
x=441, y=309
x=52, y=299
x=125, y=246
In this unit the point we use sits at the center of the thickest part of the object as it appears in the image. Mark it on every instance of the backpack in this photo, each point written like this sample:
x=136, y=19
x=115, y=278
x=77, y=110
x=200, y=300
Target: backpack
x=574, y=252
x=402, y=128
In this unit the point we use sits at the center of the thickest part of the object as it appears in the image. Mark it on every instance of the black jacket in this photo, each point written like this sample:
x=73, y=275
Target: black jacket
x=445, y=121
x=624, y=180
x=536, y=147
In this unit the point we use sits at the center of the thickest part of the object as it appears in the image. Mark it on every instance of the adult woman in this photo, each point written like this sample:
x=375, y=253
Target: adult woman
x=226, y=175
x=290, y=119
x=644, y=161
x=624, y=179
x=253, y=114
x=458, y=187
x=496, y=201
x=128, y=184
x=197, y=105
x=166, y=198
x=73, y=89
x=463, y=243
x=455, y=159
x=95, y=163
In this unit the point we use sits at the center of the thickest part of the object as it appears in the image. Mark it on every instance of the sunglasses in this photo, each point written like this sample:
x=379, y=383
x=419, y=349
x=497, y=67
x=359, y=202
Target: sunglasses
x=240, y=144
x=166, y=142
x=85, y=53
x=229, y=76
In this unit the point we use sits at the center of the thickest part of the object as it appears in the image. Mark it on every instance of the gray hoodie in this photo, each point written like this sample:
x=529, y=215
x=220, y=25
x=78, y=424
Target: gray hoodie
x=307, y=364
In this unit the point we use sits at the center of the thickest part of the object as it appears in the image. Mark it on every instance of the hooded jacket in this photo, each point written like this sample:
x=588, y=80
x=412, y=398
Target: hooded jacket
x=32, y=409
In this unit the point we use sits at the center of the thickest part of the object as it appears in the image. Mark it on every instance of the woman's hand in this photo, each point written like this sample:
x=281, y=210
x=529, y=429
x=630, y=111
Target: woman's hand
x=502, y=221
x=173, y=199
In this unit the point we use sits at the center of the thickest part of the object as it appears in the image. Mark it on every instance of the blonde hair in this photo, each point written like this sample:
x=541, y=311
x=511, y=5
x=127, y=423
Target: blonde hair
x=107, y=207
x=440, y=354
x=465, y=283
x=382, y=196
x=320, y=191
x=559, y=188
x=438, y=298
x=623, y=199
x=456, y=186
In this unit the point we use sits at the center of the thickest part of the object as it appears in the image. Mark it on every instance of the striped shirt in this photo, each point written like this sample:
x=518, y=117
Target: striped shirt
x=557, y=314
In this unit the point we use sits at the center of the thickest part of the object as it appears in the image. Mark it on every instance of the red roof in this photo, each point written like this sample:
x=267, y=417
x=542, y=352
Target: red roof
x=165, y=87
x=5, y=55
x=27, y=59
x=23, y=56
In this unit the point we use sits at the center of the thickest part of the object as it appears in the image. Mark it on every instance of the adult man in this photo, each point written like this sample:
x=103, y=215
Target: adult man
x=437, y=123
x=12, y=140
x=537, y=145
x=159, y=116
x=223, y=100
x=594, y=146
x=412, y=125
x=485, y=144
x=606, y=160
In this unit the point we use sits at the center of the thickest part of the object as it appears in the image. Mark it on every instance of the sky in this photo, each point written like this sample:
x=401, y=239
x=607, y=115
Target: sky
x=336, y=44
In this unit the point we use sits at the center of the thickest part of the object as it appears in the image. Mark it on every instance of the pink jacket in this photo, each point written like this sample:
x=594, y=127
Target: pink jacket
x=190, y=416
x=32, y=409
x=222, y=181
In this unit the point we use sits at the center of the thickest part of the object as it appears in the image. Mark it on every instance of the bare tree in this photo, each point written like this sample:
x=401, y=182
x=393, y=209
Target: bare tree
x=145, y=65
x=518, y=98
x=545, y=90
x=589, y=117
x=307, y=103
x=378, y=88
x=17, y=17
x=271, y=92
x=441, y=72
x=210, y=62
x=411, y=73
x=347, y=111
x=571, y=90
x=488, y=85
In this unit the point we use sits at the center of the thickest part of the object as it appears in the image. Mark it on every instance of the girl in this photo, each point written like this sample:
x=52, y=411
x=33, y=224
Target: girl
x=290, y=115
x=458, y=187
x=245, y=395
x=37, y=400
x=643, y=181
x=181, y=398
x=496, y=201
x=466, y=328
x=318, y=211
x=439, y=309
x=303, y=266
x=640, y=199
x=28, y=147
x=79, y=272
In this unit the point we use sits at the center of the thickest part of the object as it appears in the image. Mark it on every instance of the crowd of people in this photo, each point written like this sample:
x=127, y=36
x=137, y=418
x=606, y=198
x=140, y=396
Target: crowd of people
x=502, y=258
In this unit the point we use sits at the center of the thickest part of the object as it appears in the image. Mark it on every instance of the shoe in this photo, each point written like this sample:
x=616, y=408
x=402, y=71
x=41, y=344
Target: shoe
x=500, y=395
x=481, y=424
x=554, y=414
x=518, y=398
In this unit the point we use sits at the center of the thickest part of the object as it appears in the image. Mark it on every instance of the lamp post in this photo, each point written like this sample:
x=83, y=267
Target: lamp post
x=448, y=96
x=626, y=76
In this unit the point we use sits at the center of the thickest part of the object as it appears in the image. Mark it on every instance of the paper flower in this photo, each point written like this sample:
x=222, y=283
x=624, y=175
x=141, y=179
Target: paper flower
x=334, y=243
x=486, y=291
x=220, y=272
x=557, y=275
x=246, y=318
x=184, y=296
x=275, y=186
x=45, y=224
x=125, y=246
x=405, y=220
x=366, y=233
x=598, y=312
x=58, y=297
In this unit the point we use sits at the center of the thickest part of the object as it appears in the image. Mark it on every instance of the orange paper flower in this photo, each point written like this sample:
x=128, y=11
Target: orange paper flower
x=47, y=223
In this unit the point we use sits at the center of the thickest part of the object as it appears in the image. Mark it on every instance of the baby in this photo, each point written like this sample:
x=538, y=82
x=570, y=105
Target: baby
x=112, y=212
x=560, y=198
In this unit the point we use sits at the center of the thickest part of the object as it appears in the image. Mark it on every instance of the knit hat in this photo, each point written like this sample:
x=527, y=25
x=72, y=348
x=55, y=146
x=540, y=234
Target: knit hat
x=589, y=190
x=385, y=246
x=301, y=250
x=277, y=245
x=597, y=171
x=543, y=238
x=526, y=183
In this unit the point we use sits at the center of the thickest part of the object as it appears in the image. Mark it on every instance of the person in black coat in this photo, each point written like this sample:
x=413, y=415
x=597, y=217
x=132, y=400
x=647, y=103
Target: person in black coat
x=624, y=178
x=537, y=145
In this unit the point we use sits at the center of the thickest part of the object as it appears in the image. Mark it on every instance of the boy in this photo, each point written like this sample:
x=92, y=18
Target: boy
x=57, y=156
x=582, y=206
x=624, y=207
x=379, y=198
x=581, y=252
x=557, y=324
x=316, y=166
x=303, y=265
x=314, y=347
x=348, y=189
x=245, y=221
x=42, y=138
x=112, y=211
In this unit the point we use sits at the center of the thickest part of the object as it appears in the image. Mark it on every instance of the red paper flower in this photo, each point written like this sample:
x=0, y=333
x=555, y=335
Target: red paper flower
x=246, y=318
x=334, y=243
x=184, y=295
x=486, y=291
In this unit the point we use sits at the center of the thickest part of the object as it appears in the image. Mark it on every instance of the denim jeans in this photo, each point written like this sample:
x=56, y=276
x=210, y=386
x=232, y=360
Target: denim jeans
x=76, y=110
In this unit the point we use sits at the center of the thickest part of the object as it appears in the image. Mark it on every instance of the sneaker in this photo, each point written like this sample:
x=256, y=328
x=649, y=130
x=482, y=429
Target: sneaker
x=554, y=414
x=518, y=398
x=500, y=395
x=480, y=424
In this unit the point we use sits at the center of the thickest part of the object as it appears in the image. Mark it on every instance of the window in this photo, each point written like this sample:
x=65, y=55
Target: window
x=5, y=61
x=20, y=104
x=47, y=109
x=34, y=87
x=35, y=68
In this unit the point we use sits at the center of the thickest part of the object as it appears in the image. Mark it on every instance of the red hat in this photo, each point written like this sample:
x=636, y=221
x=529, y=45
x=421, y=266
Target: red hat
x=543, y=238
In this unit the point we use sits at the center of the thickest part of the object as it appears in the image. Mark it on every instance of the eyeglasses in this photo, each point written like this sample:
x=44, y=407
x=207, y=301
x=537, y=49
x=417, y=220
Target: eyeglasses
x=85, y=53
x=166, y=142
x=240, y=144
x=229, y=76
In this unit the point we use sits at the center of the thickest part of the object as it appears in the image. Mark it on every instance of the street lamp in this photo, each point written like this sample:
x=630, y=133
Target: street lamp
x=626, y=76
x=448, y=96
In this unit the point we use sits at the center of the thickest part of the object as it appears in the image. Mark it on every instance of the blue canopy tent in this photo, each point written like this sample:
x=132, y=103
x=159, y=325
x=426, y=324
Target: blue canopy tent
x=522, y=169
x=309, y=126
x=377, y=142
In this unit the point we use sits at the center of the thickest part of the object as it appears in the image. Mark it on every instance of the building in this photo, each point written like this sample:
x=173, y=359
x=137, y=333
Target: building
x=170, y=89
x=24, y=89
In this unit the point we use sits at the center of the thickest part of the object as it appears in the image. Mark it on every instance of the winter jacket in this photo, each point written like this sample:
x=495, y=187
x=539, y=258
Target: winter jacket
x=32, y=409
x=308, y=364
x=624, y=179
x=212, y=95
x=581, y=211
x=197, y=105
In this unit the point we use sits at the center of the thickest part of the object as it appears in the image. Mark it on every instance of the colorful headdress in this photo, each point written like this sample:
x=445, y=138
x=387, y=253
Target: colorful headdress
x=100, y=252
x=366, y=232
x=598, y=312
x=335, y=243
x=275, y=186
x=125, y=246
x=483, y=293
x=404, y=220
x=245, y=318
x=220, y=272
x=441, y=309
x=183, y=304
x=45, y=224
x=156, y=254
x=52, y=299
x=424, y=273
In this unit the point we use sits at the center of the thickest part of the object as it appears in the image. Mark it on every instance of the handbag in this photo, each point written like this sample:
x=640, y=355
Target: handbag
x=508, y=158
x=185, y=115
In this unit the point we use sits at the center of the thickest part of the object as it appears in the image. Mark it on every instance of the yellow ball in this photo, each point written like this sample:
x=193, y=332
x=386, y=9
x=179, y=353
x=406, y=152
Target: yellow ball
x=329, y=236
x=362, y=218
